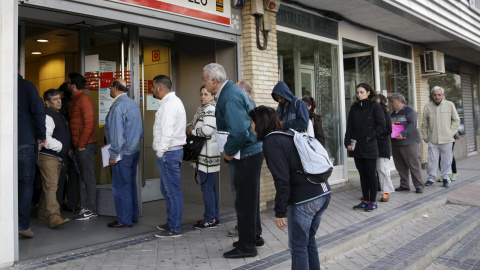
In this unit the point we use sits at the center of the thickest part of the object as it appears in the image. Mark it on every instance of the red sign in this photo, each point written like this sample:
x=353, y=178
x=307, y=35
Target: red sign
x=156, y=56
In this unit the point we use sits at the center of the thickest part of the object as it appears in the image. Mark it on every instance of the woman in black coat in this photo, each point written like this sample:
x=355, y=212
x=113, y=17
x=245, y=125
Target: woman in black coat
x=366, y=122
x=384, y=153
x=315, y=118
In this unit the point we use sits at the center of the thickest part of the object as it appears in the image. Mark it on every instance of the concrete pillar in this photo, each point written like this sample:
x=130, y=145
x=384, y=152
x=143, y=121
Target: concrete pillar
x=8, y=132
x=260, y=69
x=421, y=87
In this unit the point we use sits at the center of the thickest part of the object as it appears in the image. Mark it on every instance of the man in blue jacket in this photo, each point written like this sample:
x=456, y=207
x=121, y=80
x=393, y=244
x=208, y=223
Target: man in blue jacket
x=123, y=130
x=292, y=112
x=231, y=112
x=31, y=134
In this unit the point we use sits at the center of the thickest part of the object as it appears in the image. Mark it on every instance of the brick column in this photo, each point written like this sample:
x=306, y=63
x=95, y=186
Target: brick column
x=423, y=94
x=260, y=69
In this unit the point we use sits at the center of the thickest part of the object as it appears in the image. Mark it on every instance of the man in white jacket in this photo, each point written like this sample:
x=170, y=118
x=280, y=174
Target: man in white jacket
x=168, y=140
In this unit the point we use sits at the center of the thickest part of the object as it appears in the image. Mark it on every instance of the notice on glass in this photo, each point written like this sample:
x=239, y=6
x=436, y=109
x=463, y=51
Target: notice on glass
x=104, y=104
x=221, y=137
x=152, y=103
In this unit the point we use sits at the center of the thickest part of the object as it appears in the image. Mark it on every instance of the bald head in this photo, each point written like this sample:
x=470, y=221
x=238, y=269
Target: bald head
x=245, y=86
x=118, y=87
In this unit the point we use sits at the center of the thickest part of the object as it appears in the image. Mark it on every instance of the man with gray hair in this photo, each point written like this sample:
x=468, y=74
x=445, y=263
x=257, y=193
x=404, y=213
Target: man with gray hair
x=248, y=89
x=439, y=124
x=232, y=116
x=406, y=145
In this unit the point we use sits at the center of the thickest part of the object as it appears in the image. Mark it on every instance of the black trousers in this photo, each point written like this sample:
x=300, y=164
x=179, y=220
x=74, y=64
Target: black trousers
x=247, y=186
x=367, y=169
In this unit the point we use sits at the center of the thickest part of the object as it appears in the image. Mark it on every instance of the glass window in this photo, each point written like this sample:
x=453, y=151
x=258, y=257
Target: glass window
x=310, y=67
x=451, y=84
x=396, y=77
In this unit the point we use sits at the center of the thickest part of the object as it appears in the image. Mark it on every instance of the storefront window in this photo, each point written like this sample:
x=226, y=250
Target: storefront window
x=451, y=84
x=396, y=77
x=310, y=67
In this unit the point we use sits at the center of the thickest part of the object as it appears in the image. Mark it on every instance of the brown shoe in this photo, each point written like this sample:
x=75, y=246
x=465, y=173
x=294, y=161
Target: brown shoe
x=27, y=233
x=59, y=221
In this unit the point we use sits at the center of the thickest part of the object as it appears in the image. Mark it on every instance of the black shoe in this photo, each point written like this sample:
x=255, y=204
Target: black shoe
x=236, y=254
x=260, y=242
x=419, y=190
x=400, y=188
x=428, y=183
x=116, y=224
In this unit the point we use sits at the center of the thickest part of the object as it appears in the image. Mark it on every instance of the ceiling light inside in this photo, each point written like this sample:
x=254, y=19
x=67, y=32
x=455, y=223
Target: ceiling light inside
x=36, y=53
x=42, y=40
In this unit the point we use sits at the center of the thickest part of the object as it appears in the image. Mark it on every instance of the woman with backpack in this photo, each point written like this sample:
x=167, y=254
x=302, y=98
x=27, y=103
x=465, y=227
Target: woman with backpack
x=366, y=122
x=204, y=125
x=304, y=197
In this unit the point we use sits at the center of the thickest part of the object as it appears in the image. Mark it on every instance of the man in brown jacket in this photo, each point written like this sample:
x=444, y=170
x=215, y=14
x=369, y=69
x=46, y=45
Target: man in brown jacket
x=84, y=142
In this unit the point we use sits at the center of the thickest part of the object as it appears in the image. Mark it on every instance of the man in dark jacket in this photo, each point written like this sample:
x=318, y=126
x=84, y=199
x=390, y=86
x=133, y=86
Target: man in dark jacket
x=51, y=158
x=31, y=123
x=292, y=112
x=232, y=116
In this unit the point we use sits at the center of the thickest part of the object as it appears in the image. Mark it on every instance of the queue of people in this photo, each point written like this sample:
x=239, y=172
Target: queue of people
x=252, y=135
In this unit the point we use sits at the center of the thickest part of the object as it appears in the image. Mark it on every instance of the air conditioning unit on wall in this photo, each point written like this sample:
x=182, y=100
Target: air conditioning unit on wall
x=434, y=61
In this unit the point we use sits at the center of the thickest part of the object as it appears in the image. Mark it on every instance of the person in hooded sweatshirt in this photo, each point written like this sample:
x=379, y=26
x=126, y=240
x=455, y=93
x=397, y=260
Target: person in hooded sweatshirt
x=366, y=122
x=292, y=112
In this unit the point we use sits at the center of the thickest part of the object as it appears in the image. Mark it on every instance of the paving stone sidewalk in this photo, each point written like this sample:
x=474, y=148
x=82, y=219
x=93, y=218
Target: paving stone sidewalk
x=203, y=249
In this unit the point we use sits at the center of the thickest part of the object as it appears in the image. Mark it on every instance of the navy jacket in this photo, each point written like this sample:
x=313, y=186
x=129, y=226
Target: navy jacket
x=60, y=133
x=407, y=117
x=294, y=115
x=284, y=163
x=31, y=113
x=383, y=140
x=231, y=113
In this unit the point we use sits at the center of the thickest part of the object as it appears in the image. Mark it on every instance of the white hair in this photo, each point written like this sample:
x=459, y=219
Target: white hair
x=216, y=71
x=436, y=88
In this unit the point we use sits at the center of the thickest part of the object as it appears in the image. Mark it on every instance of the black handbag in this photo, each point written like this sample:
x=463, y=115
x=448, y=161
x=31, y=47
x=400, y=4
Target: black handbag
x=193, y=147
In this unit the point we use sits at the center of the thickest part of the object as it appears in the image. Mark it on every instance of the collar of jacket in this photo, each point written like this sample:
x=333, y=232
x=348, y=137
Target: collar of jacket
x=76, y=94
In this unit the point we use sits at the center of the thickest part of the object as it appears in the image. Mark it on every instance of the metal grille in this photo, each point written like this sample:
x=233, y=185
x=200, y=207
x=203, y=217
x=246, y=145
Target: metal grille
x=401, y=78
x=364, y=69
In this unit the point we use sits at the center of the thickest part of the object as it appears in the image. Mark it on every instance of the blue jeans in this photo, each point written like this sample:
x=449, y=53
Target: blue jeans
x=169, y=167
x=124, y=186
x=210, y=196
x=26, y=177
x=302, y=223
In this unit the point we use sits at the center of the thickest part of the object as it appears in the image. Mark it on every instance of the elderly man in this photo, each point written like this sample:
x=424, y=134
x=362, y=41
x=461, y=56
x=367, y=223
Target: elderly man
x=406, y=146
x=123, y=131
x=232, y=116
x=52, y=157
x=248, y=89
x=168, y=140
x=439, y=124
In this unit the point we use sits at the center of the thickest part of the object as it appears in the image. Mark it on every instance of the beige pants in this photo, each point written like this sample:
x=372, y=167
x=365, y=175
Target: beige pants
x=50, y=172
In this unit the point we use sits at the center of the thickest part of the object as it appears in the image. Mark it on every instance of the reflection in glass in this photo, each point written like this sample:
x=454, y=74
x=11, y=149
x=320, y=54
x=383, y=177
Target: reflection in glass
x=396, y=77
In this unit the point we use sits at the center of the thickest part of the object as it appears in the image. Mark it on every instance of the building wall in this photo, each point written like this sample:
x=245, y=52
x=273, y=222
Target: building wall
x=260, y=69
x=421, y=88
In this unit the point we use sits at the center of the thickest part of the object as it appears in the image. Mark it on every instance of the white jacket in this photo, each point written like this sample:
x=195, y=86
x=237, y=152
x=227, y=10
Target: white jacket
x=169, y=127
x=52, y=143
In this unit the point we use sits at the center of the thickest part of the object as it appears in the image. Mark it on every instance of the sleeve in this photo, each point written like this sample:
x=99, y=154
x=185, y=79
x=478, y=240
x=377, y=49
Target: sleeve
x=166, y=123
x=411, y=125
x=52, y=143
x=209, y=123
x=37, y=110
x=279, y=166
x=300, y=123
x=379, y=118
x=455, y=120
x=348, y=132
x=87, y=113
x=425, y=123
x=238, y=123
x=116, y=131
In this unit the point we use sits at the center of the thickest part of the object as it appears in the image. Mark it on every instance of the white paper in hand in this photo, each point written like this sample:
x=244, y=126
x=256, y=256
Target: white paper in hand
x=106, y=155
x=221, y=137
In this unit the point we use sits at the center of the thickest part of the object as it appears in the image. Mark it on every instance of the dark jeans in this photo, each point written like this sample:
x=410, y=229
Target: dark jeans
x=86, y=164
x=26, y=177
x=124, y=185
x=367, y=169
x=247, y=186
x=302, y=224
x=210, y=196
x=73, y=185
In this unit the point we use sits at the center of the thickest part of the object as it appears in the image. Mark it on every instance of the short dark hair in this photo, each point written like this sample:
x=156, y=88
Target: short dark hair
x=164, y=81
x=78, y=80
x=47, y=96
x=266, y=121
x=63, y=88
x=310, y=101
x=119, y=86
x=368, y=88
